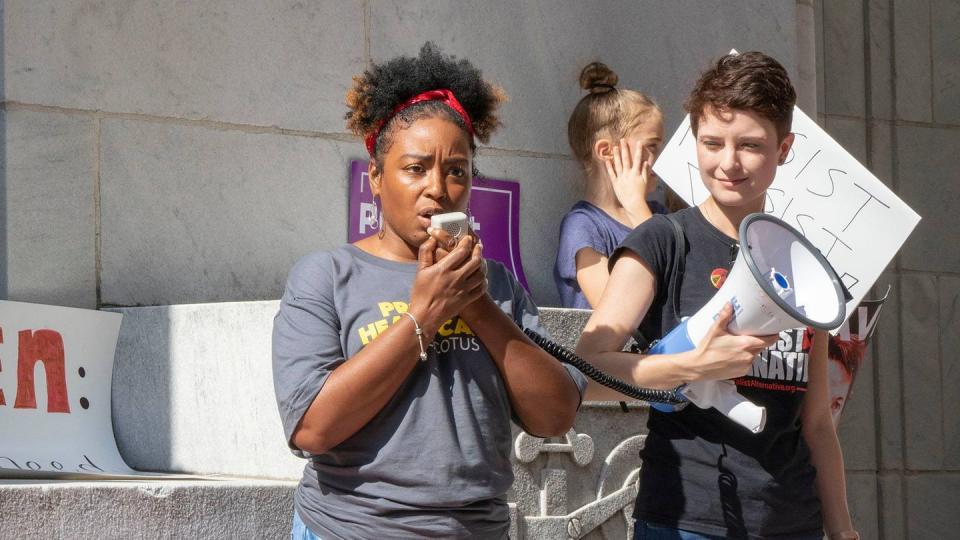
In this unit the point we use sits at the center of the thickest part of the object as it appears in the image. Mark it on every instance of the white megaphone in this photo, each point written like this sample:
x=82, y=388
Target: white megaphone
x=778, y=282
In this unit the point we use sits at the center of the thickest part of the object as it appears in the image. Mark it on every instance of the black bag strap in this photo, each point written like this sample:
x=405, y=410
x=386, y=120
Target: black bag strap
x=679, y=260
x=641, y=341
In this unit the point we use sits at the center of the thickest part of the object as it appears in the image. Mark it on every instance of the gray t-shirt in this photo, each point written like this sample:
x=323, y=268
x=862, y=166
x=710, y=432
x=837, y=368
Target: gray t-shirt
x=435, y=461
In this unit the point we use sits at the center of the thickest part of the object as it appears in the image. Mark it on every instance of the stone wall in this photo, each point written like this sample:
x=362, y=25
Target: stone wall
x=163, y=153
x=890, y=93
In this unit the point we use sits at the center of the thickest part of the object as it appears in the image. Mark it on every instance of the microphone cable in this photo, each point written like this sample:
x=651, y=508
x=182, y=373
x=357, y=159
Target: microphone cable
x=644, y=394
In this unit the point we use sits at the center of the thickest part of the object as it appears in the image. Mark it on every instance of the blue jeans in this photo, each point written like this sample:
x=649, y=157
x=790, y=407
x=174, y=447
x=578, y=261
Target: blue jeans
x=647, y=531
x=299, y=530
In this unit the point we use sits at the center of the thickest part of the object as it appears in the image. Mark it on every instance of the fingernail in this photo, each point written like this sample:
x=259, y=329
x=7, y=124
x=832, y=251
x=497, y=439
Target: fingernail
x=429, y=230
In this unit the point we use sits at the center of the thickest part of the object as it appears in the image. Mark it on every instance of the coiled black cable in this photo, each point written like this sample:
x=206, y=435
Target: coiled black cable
x=645, y=394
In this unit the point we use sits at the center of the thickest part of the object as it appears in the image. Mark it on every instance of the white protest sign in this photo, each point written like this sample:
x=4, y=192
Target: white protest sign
x=823, y=192
x=56, y=367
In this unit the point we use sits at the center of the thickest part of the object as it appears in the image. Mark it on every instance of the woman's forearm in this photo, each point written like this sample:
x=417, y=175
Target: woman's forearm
x=820, y=435
x=542, y=393
x=827, y=458
x=662, y=372
x=359, y=389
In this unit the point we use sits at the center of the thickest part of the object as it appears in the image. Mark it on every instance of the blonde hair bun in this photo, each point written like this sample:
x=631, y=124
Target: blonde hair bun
x=597, y=78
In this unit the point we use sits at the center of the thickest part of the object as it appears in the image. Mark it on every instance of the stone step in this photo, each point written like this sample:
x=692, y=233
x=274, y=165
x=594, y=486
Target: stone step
x=228, y=508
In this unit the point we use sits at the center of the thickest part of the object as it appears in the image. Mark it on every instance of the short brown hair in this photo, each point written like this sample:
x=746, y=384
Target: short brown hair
x=605, y=112
x=749, y=81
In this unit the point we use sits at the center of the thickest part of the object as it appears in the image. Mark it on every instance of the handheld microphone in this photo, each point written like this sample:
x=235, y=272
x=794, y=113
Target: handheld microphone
x=454, y=223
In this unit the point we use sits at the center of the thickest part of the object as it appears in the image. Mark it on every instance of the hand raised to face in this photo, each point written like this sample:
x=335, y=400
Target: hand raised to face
x=446, y=241
x=630, y=173
x=444, y=286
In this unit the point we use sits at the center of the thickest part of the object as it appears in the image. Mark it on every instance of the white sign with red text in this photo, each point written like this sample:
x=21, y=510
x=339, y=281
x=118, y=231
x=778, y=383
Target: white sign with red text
x=56, y=366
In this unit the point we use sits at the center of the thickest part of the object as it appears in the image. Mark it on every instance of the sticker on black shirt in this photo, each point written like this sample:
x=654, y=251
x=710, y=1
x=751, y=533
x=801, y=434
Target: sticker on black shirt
x=784, y=366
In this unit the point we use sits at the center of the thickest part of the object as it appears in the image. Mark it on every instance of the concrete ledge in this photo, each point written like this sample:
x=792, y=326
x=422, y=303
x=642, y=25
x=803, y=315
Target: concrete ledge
x=193, y=391
x=236, y=508
x=193, y=388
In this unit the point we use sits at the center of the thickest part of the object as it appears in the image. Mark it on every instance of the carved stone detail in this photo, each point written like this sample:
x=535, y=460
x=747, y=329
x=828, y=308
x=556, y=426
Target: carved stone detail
x=616, y=489
x=528, y=447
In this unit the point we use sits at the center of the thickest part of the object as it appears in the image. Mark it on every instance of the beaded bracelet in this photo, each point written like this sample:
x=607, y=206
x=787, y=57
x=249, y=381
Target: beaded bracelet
x=419, y=332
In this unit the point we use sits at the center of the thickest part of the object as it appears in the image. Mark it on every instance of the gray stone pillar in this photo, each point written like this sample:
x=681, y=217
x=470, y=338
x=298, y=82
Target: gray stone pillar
x=891, y=96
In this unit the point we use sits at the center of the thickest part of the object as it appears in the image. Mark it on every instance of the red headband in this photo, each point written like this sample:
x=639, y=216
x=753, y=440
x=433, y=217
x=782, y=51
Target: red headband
x=443, y=95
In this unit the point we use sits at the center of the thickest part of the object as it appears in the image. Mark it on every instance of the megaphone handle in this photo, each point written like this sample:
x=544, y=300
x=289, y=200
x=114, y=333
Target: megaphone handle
x=723, y=396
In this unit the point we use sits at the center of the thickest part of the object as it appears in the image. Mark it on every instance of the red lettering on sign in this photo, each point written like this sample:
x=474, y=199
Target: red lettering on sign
x=42, y=346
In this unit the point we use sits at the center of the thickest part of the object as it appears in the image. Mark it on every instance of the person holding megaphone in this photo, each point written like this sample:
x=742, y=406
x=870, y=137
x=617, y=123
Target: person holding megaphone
x=704, y=474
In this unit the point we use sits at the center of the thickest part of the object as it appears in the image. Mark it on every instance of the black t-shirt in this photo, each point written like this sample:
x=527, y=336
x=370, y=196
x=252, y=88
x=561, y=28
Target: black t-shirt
x=701, y=471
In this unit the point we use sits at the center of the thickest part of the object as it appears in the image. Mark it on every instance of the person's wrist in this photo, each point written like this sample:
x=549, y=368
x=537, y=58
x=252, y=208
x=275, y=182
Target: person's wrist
x=639, y=211
x=689, y=367
x=428, y=323
x=475, y=308
x=419, y=333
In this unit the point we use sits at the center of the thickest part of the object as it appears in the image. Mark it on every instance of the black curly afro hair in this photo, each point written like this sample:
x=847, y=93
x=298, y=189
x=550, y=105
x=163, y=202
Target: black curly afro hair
x=379, y=89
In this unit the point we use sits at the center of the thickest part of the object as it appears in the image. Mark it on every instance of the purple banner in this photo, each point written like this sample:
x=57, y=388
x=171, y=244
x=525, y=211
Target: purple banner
x=494, y=216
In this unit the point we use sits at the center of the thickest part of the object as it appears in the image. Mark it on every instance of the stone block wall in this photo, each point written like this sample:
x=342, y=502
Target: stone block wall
x=164, y=153
x=889, y=94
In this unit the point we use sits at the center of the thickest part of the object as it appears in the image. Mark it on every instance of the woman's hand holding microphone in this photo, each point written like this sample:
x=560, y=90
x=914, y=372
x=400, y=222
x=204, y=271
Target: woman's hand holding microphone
x=451, y=275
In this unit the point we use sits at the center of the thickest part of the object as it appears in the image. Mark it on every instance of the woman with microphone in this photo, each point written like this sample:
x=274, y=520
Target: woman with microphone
x=399, y=361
